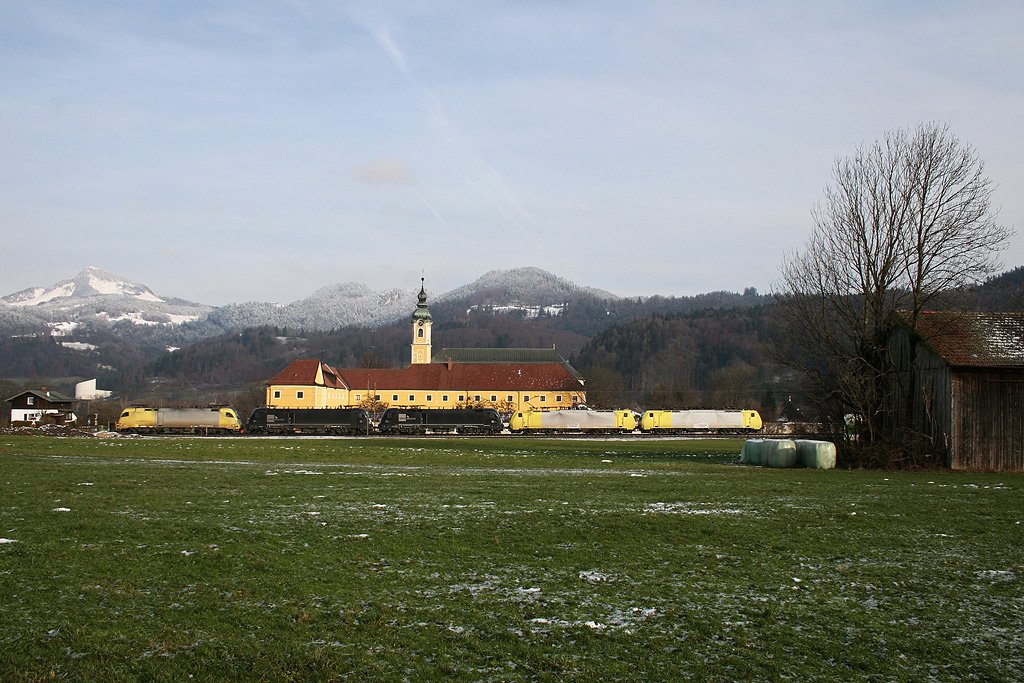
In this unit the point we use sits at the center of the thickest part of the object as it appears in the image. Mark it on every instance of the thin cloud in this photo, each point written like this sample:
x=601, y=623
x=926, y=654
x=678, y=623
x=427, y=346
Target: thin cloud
x=385, y=171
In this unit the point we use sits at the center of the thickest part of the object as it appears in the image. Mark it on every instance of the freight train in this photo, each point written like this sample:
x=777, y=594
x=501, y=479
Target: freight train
x=415, y=421
x=213, y=420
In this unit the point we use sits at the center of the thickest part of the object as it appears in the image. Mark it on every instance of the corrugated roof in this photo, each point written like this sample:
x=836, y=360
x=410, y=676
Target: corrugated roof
x=972, y=339
x=465, y=377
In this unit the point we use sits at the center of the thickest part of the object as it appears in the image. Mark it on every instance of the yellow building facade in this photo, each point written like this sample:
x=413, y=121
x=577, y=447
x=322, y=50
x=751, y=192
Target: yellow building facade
x=505, y=386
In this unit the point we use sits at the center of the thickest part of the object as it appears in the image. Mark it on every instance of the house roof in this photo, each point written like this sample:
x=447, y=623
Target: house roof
x=309, y=372
x=971, y=339
x=524, y=355
x=51, y=396
x=465, y=377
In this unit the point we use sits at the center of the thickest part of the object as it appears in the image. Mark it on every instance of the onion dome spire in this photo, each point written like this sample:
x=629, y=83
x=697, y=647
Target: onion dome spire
x=421, y=312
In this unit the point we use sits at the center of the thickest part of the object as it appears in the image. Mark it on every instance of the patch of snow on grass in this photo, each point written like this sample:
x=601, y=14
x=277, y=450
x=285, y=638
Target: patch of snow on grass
x=688, y=509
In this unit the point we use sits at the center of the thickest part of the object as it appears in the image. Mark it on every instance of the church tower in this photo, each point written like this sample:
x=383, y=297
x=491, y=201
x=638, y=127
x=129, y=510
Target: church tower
x=421, y=323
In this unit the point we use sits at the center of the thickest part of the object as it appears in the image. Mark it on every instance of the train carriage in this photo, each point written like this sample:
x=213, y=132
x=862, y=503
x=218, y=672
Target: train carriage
x=440, y=421
x=351, y=421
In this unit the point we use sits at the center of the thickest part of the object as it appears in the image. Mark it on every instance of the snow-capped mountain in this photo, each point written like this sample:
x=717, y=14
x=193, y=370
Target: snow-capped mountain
x=528, y=287
x=94, y=301
x=91, y=282
x=328, y=308
x=94, y=296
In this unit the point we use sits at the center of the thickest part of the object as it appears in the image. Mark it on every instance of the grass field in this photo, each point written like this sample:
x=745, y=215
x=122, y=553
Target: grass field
x=496, y=560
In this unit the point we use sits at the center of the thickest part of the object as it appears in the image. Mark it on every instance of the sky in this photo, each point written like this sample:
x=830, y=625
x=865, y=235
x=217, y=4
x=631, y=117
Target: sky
x=258, y=151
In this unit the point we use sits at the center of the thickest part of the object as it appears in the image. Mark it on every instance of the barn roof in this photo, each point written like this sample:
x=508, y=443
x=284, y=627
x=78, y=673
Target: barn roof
x=971, y=339
x=465, y=377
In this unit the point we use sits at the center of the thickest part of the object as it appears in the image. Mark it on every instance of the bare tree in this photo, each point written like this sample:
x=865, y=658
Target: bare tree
x=906, y=220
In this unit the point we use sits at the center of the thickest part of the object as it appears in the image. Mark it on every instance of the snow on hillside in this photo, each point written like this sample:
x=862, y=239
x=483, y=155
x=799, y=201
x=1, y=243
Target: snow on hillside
x=89, y=283
x=94, y=296
x=528, y=286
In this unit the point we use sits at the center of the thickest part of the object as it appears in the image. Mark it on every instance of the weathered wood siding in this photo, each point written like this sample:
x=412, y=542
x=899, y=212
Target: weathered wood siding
x=974, y=415
x=988, y=419
x=919, y=398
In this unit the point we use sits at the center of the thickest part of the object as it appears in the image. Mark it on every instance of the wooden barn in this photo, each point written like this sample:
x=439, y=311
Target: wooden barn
x=961, y=387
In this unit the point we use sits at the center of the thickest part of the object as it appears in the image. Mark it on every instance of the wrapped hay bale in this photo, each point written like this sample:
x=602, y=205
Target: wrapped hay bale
x=779, y=453
x=751, y=453
x=819, y=455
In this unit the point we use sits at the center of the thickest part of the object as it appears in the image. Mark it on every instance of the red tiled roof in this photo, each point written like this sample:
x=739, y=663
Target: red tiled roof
x=974, y=339
x=303, y=372
x=465, y=376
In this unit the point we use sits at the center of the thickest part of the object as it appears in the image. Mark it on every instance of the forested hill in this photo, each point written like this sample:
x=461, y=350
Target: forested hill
x=714, y=357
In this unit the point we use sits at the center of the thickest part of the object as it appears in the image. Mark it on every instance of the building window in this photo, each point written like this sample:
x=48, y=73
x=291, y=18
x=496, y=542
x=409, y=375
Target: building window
x=412, y=398
x=357, y=397
x=429, y=398
x=509, y=398
x=543, y=398
x=394, y=397
x=30, y=400
x=462, y=398
x=277, y=393
x=376, y=397
x=419, y=333
x=526, y=398
x=444, y=398
x=558, y=399
x=300, y=394
x=476, y=398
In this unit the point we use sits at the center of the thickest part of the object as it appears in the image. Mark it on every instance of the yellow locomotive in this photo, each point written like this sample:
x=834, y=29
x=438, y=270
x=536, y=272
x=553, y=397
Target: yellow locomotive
x=573, y=421
x=669, y=421
x=214, y=420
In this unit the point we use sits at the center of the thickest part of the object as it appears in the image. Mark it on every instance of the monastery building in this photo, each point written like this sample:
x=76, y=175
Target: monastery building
x=505, y=379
